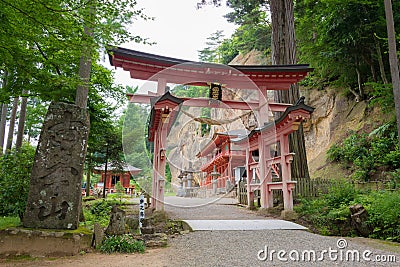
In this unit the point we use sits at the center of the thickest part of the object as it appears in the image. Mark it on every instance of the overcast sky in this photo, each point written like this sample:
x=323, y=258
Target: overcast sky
x=179, y=30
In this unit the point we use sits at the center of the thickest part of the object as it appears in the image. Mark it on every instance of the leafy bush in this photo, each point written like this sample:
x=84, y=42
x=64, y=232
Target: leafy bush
x=382, y=96
x=122, y=243
x=353, y=147
x=15, y=171
x=341, y=193
x=368, y=153
x=383, y=215
x=98, y=211
x=330, y=214
x=102, y=207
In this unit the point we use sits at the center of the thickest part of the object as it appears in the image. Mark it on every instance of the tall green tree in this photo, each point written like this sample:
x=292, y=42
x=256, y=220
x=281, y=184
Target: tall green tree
x=41, y=44
x=394, y=61
x=15, y=168
x=212, y=53
x=345, y=41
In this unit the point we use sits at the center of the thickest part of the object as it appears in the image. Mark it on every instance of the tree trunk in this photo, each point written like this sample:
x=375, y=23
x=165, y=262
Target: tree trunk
x=85, y=63
x=3, y=122
x=393, y=60
x=12, y=123
x=3, y=116
x=373, y=72
x=380, y=61
x=360, y=86
x=284, y=52
x=89, y=171
x=21, y=121
x=105, y=173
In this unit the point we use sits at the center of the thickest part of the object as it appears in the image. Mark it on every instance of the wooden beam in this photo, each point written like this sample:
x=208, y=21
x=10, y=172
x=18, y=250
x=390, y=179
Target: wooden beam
x=205, y=102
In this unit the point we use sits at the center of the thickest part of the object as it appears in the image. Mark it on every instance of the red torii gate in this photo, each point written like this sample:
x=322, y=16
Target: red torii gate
x=165, y=70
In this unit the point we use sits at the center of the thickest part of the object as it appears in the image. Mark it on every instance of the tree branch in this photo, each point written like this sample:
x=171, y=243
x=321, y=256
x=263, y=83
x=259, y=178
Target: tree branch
x=45, y=57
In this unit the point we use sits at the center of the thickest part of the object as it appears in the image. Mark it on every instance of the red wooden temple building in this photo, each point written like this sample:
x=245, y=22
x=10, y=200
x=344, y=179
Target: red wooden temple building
x=117, y=174
x=222, y=157
x=165, y=106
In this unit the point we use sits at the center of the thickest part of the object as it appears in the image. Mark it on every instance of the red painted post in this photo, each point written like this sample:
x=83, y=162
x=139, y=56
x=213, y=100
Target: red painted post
x=250, y=194
x=155, y=171
x=287, y=198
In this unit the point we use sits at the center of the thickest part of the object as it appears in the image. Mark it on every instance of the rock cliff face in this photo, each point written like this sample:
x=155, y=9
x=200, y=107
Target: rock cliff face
x=334, y=116
x=254, y=57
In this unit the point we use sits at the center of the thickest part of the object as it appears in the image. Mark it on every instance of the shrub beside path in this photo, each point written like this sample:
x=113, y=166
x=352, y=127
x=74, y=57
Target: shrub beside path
x=236, y=248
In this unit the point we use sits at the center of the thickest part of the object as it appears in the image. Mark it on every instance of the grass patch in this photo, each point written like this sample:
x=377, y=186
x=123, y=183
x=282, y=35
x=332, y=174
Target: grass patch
x=9, y=222
x=123, y=244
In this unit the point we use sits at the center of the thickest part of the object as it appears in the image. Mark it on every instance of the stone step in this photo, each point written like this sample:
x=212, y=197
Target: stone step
x=240, y=225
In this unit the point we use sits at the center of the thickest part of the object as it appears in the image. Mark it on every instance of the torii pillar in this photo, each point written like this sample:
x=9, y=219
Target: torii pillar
x=162, y=114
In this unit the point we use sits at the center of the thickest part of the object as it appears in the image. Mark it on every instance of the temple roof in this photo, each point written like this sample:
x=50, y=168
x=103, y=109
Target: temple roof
x=124, y=167
x=297, y=106
x=161, y=105
x=219, y=138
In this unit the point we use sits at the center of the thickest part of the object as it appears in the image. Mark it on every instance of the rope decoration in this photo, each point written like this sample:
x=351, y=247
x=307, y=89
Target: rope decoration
x=210, y=121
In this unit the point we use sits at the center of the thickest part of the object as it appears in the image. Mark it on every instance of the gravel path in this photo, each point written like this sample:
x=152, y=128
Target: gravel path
x=235, y=248
x=240, y=248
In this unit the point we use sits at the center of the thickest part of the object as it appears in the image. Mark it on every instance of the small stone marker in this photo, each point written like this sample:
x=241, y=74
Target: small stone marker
x=117, y=222
x=98, y=235
x=54, y=199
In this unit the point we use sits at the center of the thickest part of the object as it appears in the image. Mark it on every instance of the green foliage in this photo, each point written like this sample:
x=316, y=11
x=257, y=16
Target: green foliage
x=15, y=170
x=218, y=49
x=368, y=153
x=36, y=111
x=135, y=143
x=41, y=44
x=253, y=36
x=330, y=214
x=122, y=244
x=8, y=222
x=341, y=193
x=98, y=211
x=382, y=96
x=254, y=33
x=382, y=214
x=340, y=38
x=245, y=12
x=190, y=91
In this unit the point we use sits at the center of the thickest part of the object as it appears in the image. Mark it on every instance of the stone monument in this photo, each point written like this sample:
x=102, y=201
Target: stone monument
x=117, y=222
x=54, y=199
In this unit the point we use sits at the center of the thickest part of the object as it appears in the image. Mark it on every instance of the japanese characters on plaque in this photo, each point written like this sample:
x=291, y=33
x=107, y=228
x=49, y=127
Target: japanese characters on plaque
x=215, y=91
